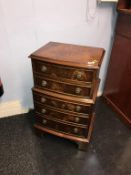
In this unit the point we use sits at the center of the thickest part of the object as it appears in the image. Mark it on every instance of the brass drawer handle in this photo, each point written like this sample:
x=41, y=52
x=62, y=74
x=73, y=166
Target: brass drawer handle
x=78, y=108
x=77, y=119
x=43, y=100
x=75, y=130
x=44, y=83
x=79, y=75
x=77, y=90
x=44, y=121
x=43, y=68
x=54, y=103
x=43, y=111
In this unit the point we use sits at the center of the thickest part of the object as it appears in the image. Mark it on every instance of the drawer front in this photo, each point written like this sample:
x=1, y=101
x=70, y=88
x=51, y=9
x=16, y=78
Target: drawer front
x=62, y=87
x=61, y=115
x=62, y=127
x=57, y=71
x=60, y=104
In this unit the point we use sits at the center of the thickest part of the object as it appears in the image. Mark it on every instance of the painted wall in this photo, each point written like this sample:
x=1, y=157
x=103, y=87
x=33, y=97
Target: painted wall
x=28, y=24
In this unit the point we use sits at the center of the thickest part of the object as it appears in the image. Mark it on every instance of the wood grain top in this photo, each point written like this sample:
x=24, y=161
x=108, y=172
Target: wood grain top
x=70, y=55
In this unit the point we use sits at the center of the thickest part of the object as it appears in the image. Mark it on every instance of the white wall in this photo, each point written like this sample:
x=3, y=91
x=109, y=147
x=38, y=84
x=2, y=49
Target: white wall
x=28, y=24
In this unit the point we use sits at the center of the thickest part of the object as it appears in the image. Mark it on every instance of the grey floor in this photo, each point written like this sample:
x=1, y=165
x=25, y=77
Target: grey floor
x=23, y=153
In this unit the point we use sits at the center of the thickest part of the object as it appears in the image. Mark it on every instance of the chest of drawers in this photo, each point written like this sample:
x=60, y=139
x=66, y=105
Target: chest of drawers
x=65, y=87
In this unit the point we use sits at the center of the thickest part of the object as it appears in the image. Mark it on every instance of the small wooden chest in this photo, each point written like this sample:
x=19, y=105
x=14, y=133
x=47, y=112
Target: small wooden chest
x=65, y=88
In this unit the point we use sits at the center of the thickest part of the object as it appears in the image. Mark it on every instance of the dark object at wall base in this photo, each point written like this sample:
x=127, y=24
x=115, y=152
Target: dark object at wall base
x=1, y=88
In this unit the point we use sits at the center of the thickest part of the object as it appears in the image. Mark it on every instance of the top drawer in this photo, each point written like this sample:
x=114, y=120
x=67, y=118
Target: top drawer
x=58, y=71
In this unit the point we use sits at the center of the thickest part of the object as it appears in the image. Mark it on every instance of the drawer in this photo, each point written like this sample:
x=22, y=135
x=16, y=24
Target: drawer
x=62, y=87
x=61, y=104
x=62, y=127
x=59, y=71
x=61, y=115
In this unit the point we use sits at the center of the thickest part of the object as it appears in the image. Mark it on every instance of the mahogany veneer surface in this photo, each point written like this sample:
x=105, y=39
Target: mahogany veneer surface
x=117, y=89
x=65, y=88
x=69, y=54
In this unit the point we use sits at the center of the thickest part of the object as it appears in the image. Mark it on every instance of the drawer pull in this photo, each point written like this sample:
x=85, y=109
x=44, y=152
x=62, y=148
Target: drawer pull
x=43, y=111
x=79, y=75
x=44, y=83
x=75, y=130
x=78, y=90
x=43, y=68
x=43, y=100
x=78, y=108
x=77, y=119
x=44, y=121
x=54, y=103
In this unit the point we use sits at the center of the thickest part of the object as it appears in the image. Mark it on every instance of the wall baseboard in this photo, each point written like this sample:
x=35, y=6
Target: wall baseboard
x=99, y=93
x=11, y=108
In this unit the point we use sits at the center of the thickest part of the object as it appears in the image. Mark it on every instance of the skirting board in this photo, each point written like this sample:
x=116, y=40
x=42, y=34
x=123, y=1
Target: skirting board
x=99, y=93
x=11, y=108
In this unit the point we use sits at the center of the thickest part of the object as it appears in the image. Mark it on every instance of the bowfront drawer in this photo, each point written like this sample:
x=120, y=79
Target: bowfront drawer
x=59, y=71
x=61, y=104
x=62, y=87
x=61, y=115
x=62, y=127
